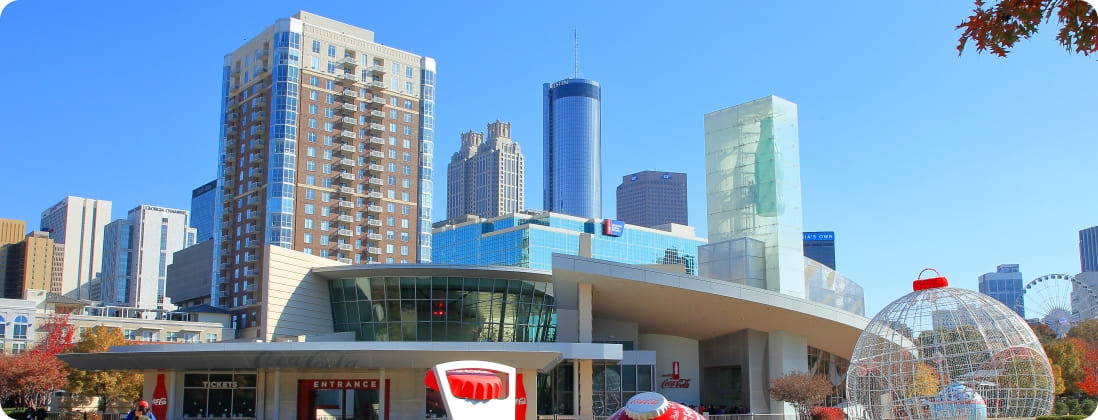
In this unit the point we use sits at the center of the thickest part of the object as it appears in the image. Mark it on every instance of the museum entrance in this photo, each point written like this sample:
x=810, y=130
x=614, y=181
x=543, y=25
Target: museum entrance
x=341, y=399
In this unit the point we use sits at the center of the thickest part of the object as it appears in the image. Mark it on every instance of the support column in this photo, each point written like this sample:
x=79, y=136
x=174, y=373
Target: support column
x=584, y=375
x=584, y=317
x=786, y=353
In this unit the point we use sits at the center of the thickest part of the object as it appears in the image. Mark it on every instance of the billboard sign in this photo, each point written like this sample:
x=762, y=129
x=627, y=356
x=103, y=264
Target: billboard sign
x=611, y=227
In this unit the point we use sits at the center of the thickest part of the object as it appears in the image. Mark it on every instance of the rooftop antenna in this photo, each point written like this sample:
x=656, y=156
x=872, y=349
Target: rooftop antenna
x=576, y=51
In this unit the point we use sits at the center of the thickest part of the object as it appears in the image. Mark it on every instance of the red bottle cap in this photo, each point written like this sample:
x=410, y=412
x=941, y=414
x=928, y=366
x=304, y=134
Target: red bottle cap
x=929, y=283
x=653, y=406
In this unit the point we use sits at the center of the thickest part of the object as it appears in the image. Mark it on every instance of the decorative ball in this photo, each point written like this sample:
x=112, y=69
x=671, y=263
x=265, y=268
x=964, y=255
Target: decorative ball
x=941, y=352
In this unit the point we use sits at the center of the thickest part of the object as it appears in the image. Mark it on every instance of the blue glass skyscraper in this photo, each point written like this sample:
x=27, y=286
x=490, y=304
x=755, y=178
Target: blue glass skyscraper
x=572, y=110
x=203, y=200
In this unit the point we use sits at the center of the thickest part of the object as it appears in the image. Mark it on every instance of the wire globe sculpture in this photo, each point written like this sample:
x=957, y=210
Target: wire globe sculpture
x=1058, y=301
x=942, y=352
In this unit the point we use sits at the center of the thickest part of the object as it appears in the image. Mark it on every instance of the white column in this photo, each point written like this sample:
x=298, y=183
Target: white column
x=787, y=352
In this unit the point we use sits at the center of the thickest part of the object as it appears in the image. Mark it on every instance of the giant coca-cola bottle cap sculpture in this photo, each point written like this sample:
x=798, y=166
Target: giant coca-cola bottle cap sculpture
x=942, y=352
x=654, y=406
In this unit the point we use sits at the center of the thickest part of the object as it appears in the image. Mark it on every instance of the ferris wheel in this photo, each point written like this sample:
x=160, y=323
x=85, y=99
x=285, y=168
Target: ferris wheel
x=1058, y=301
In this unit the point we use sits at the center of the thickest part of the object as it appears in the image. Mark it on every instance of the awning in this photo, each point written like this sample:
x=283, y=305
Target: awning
x=337, y=355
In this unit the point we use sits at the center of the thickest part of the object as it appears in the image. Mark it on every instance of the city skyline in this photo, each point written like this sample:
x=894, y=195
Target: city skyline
x=872, y=170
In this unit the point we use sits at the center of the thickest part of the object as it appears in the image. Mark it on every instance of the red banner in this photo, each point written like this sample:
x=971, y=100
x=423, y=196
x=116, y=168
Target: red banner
x=520, y=398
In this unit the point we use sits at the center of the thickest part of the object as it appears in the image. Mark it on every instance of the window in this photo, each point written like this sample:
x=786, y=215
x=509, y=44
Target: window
x=407, y=157
x=19, y=330
x=312, y=137
x=407, y=170
x=329, y=112
x=329, y=98
x=391, y=221
x=329, y=84
x=130, y=334
x=314, y=63
x=309, y=209
x=308, y=223
x=408, y=71
x=331, y=50
x=316, y=46
x=308, y=238
x=408, y=87
x=407, y=118
x=325, y=196
x=407, y=144
x=325, y=211
x=404, y=250
x=404, y=223
x=210, y=338
x=312, y=122
x=404, y=236
x=313, y=80
x=392, y=127
x=310, y=165
x=404, y=196
x=404, y=209
x=310, y=180
x=389, y=248
x=310, y=151
x=171, y=336
x=406, y=183
x=328, y=127
x=327, y=153
x=324, y=239
x=312, y=109
x=407, y=130
x=312, y=95
x=331, y=67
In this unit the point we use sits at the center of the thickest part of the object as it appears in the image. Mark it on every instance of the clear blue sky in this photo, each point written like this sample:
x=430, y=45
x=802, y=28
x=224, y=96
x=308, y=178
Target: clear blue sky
x=914, y=156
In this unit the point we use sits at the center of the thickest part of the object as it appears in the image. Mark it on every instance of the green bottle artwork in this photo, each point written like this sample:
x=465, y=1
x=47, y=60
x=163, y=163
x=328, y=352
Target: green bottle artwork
x=768, y=173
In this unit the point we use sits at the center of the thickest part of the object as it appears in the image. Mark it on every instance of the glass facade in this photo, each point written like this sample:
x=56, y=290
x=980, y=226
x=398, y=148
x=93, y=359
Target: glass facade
x=1005, y=285
x=572, y=147
x=219, y=394
x=425, y=308
x=203, y=201
x=829, y=287
x=426, y=157
x=753, y=185
x=820, y=246
x=524, y=240
x=283, y=134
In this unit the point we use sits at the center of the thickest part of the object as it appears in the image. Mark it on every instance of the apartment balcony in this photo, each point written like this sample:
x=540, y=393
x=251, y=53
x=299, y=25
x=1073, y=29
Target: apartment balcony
x=251, y=287
x=374, y=209
x=346, y=190
x=258, y=132
x=349, y=94
x=349, y=62
x=256, y=157
x=345, y=260
x=230, y=157
x=376, y=168
x=347, y=148
x=252, y=258
x=374, y=194
x=251, y=245
x=345, y=232
x=374, y=236
x=346, y=204
x=252, y=215
x=348, y=109
x=258, y=144
x=344, y=163
x=251, y=274
x=230, y=143
x=346, y=78
x=255, y=175
x=234, y=86
x=259, y=103
x=347, y=175
x=374, y=250
x=231, y=129
x=376, y=69
x=374, y=85
x=232, y=116
x=223, y=293
x=347, y=123
x=377, y=140
x=374, y=222
x=235, y=71
x=259, y=116
x=348, y=134
x=376, y=127
x=377, y=114
x=377, y=181
x=345, y=247
x=346, y=218
x=378, y=100
x=264, y=53
x=262, y=68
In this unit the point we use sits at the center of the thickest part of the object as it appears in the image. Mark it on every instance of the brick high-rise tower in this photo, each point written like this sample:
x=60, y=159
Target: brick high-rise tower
x=326, y=148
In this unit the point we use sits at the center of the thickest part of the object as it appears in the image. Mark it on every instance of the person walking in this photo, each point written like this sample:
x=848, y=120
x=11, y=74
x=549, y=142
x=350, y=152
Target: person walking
x=141, y=412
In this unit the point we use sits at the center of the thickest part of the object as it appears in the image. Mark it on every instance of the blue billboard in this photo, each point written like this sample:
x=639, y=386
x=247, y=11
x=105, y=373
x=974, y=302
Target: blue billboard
x=611, y=227
x=819, y=236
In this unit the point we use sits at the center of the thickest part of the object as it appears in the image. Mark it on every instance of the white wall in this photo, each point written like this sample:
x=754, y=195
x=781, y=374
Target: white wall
x=295, y=301
x=670, y=349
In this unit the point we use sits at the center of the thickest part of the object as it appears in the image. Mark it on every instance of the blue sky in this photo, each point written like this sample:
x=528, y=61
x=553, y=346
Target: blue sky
x=914, y=156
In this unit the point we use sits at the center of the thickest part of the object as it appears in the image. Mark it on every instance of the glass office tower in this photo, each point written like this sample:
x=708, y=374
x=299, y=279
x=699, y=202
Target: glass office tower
x=572, y=110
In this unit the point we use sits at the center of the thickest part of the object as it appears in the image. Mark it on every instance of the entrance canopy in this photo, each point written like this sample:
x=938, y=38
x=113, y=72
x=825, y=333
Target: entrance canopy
x=337, y=355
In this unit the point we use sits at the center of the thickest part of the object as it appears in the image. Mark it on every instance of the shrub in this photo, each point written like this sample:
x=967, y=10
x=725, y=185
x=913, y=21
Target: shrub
x=827, y=413
x=1064, y=417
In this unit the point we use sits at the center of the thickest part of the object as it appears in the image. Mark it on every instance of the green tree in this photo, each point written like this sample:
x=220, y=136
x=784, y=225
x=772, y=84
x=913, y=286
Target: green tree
x=1043, y=332
x=997, y=26
x=802, y=389
x=110, y=386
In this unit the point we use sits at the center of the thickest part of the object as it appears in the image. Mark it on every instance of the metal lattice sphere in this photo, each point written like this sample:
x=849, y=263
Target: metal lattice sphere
x=942, y=352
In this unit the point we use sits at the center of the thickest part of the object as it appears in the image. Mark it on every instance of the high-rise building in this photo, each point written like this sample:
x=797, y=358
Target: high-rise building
x=652, y=198
x=203, y=201
x=1004, y=285
x=572, y=147
x=78, y=223
x=485, y=178
x=137, y=252
x=189, y=277
x=1088, y=249
x=326, y=148
x=38, y=253
x=11, y=254
x=820, y=247
x=753, y=184
x=58, y=268
x=530, y=239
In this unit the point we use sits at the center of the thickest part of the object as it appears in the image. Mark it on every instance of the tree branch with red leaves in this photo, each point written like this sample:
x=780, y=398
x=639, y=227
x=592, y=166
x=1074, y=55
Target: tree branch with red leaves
x=996, y=28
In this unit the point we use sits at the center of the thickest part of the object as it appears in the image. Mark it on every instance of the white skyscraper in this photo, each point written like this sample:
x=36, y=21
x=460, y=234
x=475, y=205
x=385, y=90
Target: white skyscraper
x=486, y=177
x=137, y=252
x=78, y=223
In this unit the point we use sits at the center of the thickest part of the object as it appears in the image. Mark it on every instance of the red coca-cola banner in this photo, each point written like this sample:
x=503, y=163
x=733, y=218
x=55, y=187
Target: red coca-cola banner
x=160, y=398
x=520, y=398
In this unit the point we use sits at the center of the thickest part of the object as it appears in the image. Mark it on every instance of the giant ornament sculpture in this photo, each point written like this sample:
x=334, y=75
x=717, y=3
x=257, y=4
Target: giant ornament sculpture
x=948, y=353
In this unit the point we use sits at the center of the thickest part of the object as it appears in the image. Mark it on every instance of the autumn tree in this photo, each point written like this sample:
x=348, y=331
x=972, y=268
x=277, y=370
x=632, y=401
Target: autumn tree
x=31, y=377
x=802, y=389
x=1086, y=331
x=997, y=26
x=1043, y=332
x=110, y=386
x=1068, y=355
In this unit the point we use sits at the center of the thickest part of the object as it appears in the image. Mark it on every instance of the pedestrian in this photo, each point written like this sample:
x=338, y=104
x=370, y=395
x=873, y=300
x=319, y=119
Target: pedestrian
x=141, y=412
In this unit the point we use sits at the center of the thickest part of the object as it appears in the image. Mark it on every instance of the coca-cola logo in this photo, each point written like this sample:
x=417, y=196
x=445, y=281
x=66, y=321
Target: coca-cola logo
x=675, y=383
x=520, y=401
x=160, y=401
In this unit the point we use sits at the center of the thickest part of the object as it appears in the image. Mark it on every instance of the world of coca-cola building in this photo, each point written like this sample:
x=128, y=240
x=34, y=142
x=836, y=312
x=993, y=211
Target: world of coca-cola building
x=355, y=341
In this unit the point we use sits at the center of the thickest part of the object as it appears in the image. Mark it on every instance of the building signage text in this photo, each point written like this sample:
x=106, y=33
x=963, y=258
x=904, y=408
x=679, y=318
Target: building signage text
x=819, y=236
x=611, y=227
x=674, y=379
x=346, y=384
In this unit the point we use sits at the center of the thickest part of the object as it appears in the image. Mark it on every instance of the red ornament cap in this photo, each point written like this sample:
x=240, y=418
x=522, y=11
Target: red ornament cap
x=929, y=283
x=646, y=406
